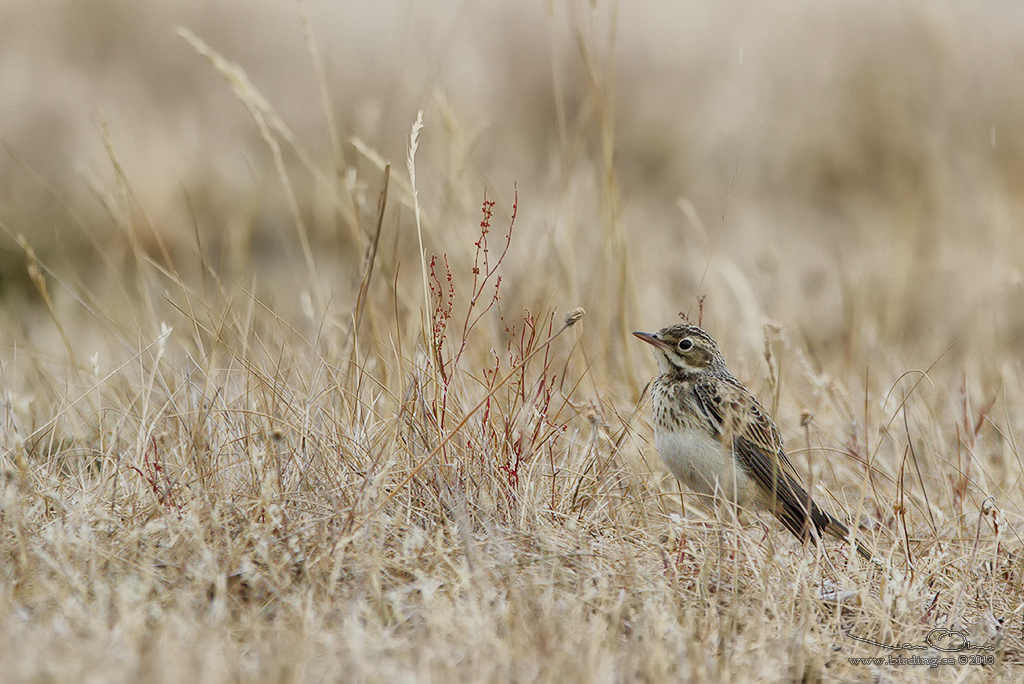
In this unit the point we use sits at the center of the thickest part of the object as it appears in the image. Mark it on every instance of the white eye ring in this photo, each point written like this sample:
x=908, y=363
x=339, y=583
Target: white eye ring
x=685, y=344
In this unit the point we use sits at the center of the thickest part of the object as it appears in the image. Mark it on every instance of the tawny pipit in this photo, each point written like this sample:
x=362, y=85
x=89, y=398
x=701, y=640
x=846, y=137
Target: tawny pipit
x=715, y=437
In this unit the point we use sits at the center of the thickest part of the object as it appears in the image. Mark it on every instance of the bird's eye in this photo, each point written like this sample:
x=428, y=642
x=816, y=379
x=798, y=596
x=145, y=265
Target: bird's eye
x=685, y=345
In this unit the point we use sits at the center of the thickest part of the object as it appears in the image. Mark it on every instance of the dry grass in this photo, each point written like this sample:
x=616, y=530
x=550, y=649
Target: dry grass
x=290, y=394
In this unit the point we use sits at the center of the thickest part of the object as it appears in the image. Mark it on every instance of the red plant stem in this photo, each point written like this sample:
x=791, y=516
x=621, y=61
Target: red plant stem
x=480, y=404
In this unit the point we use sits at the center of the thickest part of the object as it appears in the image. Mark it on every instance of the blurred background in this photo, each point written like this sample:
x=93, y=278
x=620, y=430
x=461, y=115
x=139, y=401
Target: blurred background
x=853, y=171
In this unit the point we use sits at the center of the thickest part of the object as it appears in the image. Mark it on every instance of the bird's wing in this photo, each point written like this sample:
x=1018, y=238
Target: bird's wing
x=738, y=419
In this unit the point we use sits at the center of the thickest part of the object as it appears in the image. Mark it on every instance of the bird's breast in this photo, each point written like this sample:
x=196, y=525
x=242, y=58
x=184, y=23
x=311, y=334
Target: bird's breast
x=700, y=461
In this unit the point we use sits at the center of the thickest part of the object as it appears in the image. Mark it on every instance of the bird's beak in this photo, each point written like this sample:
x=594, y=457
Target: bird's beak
x=651, y=338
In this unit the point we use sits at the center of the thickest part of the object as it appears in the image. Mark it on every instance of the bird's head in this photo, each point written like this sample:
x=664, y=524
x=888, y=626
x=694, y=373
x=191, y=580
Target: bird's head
x=685, y=349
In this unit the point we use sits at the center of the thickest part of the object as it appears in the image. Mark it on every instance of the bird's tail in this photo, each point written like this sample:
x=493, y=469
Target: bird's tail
x=804, y=519
x=801, y=516
x=826, y=523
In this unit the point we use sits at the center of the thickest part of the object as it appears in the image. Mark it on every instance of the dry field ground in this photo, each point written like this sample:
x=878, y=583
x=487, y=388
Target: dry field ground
x=289, y=391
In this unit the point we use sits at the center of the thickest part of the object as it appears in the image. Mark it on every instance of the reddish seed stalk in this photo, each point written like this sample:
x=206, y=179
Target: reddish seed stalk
x=513, y=445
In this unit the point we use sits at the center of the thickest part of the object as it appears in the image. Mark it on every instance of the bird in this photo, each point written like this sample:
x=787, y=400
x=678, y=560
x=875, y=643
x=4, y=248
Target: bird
x=716, y=438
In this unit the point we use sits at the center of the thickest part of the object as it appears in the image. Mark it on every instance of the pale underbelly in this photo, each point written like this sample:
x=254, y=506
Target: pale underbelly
x=703, y=464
